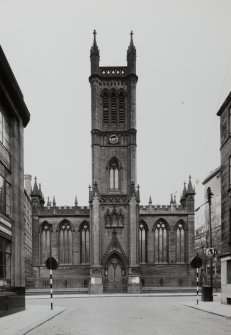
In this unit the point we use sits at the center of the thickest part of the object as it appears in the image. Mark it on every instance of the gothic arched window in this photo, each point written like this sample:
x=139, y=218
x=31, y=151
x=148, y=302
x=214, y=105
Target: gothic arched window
x=45, y=241
x=84, y=242
x=65, y=242
x=105, y=107
x=143, y=234
x=113, y=108
x=114, y=174
x=161, y=242
x=180, y=243
x=121, y=108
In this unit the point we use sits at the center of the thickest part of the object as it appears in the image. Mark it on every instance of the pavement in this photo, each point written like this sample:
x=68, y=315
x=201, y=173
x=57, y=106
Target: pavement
x=34, y=316
x=37, y=314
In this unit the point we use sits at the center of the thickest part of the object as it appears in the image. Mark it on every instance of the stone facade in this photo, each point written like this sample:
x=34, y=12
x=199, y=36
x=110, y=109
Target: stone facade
x=115, y=244
x=213, y=180
x=225, y=150
x=28, y=236
x=14, y=116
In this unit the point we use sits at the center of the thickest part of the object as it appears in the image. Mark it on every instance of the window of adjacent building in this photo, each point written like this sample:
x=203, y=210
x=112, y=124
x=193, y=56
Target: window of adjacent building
x=229, y=272
x=229, y=171
x=143, y=232
x=180, y=243
x=5, y=264
x=229, y=119
x=84, y=243
x=4, y=131
x=45, y=239
x=5, y=198
x=65, y=243
x=161, y=242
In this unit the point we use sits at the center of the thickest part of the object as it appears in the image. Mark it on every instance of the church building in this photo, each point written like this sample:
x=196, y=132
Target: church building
x=114, y=244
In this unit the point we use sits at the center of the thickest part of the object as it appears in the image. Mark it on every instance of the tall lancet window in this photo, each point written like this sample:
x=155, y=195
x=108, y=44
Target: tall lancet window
x=121, y=108
x=105, y=107
x=65, y=242
x=180, y=243
x=161, y=242
x=113, y=108
x=114, y=174
x=143, y=233
x=45, y=241
x=84, y=242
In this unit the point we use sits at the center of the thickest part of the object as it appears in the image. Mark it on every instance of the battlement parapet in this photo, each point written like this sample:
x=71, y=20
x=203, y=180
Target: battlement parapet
x=65, y=210
x=153, y=209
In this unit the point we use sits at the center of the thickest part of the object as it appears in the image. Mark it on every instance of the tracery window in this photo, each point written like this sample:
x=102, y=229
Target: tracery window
x=180, y=243
x=114, y=174
x=45, y=241
x=84, y=242
x=65, y=242
x=161, y=242
x=105, y=107
x=143, y=233
x=113, y=105
x=113, y=108
x=121, y=108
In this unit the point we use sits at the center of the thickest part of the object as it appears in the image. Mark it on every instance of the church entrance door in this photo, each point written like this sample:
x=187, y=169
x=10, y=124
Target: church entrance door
x=115, y=280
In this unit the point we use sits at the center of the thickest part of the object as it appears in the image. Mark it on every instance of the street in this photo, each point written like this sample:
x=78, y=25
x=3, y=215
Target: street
x=117, y=315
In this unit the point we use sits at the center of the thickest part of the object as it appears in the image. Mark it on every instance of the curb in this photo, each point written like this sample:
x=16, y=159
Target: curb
x=43, y=322
x=206, y=311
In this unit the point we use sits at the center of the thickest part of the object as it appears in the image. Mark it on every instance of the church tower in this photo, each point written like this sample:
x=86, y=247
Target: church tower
x=114, y=198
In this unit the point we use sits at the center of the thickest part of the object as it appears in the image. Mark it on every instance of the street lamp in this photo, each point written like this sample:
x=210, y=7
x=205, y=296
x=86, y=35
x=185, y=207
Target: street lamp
x=209, y=197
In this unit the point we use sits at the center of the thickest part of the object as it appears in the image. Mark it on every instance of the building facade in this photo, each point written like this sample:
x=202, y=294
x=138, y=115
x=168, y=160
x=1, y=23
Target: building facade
x=28, y=233
x=202, y=242
x=14, y=116
x=115, y=244
x=225, y=150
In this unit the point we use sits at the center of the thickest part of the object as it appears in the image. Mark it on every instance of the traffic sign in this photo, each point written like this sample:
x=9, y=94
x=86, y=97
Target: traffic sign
x=51, y=263
x=211, y=252
x=196, y=262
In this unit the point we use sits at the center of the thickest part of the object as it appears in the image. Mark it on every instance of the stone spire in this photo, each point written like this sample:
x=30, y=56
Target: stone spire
x=54, y=202
x=35, y=191
x=94, y=55
x=190, y=189
x=171, y=199
x=76, y=201
x=131, y=56
x=150, y=200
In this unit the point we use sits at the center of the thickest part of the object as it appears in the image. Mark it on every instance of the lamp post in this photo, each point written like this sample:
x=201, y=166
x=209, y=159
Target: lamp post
x=209, y=197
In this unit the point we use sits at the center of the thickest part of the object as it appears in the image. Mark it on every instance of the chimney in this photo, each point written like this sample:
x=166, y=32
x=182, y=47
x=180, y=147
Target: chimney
x=27, y=184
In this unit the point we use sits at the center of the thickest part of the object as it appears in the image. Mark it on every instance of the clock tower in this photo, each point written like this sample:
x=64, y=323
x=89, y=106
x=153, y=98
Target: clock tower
x=113, y=197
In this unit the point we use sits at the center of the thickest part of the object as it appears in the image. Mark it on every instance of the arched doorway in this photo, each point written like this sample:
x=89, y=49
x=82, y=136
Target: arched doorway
x=115, y=275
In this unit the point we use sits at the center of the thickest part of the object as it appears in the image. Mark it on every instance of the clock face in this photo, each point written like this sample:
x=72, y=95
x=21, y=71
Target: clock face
x=113, y=139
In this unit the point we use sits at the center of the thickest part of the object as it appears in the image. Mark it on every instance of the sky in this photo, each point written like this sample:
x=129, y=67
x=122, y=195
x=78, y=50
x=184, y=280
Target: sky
x=184, y=69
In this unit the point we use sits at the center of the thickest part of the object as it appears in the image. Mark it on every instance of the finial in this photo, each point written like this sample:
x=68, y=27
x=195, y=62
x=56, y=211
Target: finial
x=150, y=200
x=76, y=201
x=94, y=40
x=54, y=202
x=131, y=42
x=171, y=200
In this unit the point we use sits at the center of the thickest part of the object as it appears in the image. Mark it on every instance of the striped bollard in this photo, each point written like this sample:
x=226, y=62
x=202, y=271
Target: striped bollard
x=197, y=284
x=51, y=288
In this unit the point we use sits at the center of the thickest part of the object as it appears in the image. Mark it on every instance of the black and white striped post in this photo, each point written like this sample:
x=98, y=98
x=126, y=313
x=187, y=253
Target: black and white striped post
x=196, y=263
x=197, y=284
x=51, y=288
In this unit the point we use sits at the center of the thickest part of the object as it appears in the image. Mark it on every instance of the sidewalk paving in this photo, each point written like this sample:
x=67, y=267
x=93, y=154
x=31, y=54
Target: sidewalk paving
x=22, y=323
x=213, y=307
